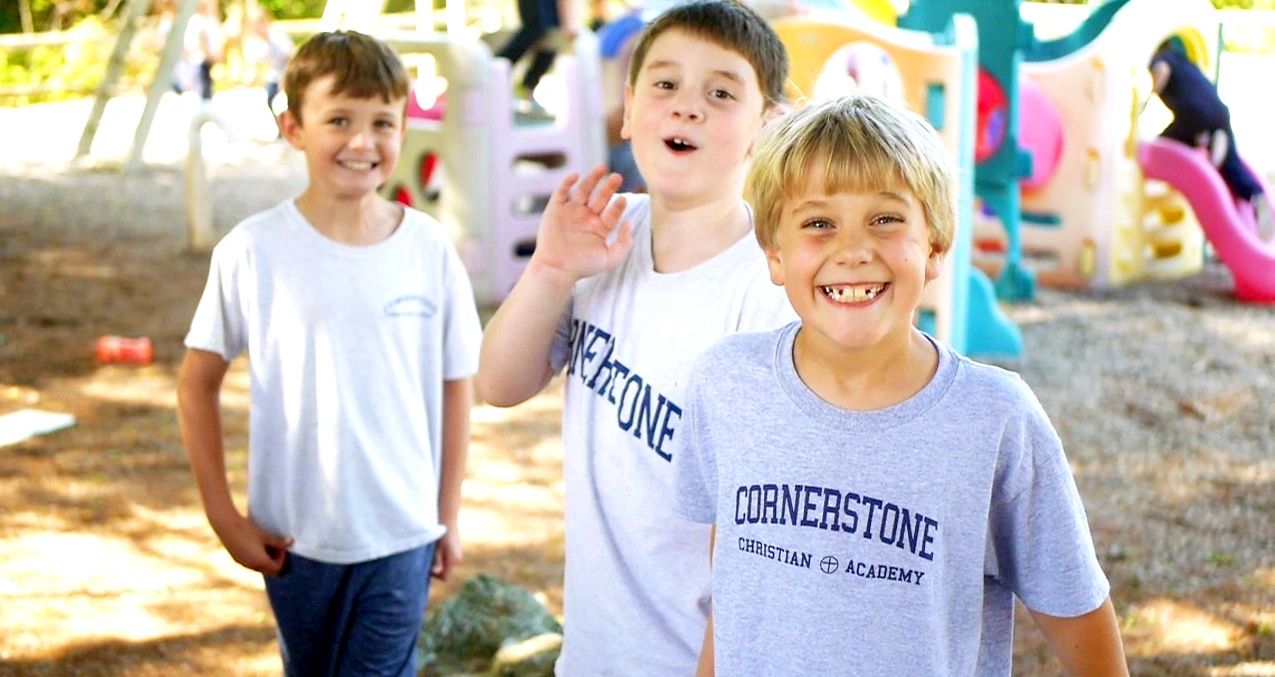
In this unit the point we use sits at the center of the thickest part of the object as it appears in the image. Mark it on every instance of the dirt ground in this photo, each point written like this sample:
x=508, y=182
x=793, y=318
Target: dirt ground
x=1163, y=394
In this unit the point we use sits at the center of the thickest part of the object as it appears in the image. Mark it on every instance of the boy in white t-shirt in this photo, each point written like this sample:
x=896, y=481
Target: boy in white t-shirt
x=623, y=292
x=879, y=500
x=363, y=337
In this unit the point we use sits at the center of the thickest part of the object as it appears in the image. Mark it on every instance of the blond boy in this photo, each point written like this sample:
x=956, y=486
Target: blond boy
x=879, y=500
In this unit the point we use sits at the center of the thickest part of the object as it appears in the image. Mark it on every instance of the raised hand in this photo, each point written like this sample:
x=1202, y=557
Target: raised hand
x=575, y=237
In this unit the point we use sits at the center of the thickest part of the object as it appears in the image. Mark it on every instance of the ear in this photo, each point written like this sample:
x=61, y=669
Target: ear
x=934, y=263
x=768, y=117
x=625, y=132
x=291, y=128
x=775, y=263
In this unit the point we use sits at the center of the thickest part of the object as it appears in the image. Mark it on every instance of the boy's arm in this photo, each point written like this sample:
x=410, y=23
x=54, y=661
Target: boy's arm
x=571, y=244
x=199, y=411
x=458, y=397
x=706, y=667
x=1088, y=644
x=568, y=18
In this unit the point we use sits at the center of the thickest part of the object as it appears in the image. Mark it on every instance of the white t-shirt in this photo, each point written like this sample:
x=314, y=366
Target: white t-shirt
x=349, y=350
x=637, y=577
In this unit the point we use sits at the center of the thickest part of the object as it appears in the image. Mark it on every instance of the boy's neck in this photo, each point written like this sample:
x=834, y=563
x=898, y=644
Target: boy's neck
x=686, y=235
x=864, y=380
x=355, y=222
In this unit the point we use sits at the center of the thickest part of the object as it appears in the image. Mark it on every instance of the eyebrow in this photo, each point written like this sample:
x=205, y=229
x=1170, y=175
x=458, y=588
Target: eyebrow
x=820, y=204
x=721, y=72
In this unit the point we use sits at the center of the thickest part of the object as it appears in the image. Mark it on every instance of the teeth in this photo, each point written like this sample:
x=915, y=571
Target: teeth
x=853, y=294
x=358, y=166
x=680, y=143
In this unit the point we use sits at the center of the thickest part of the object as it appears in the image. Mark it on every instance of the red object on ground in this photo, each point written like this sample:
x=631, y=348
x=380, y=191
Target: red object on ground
x=125, y=350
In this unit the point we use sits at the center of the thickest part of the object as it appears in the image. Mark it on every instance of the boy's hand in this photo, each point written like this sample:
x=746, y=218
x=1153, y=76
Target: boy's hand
x=572, y=240
x=251, y=546
x=447, y=554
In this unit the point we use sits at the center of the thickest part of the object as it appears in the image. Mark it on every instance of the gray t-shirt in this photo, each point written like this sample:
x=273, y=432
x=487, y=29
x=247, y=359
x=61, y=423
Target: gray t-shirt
x=885, y=542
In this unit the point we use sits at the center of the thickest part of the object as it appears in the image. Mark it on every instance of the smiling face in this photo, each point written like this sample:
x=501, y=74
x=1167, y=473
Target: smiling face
x=854, y=265
x=692, y=114
x=351, y=143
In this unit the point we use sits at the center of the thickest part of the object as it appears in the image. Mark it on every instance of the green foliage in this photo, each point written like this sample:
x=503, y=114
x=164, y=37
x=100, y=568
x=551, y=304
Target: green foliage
x=59, y=71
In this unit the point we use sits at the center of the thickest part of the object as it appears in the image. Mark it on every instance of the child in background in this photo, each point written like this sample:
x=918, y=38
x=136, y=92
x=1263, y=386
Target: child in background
x=363, y=335
x=270, y=47
x=1201, y=119
x=867, y=483
x=539, y=18
x=623, y=293
x=203, y=47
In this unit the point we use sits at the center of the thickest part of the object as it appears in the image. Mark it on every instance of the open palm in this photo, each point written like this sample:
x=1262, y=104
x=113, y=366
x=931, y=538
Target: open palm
x=581, y=233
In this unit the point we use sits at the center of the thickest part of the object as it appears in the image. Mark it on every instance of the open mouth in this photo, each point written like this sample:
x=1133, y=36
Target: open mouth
x=859, y=293
x=678, y=144
x=358, y=165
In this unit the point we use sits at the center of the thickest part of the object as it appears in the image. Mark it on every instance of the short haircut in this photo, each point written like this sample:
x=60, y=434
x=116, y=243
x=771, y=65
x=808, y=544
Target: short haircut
x=362, y=66
x=731, y=25
x=862, y=143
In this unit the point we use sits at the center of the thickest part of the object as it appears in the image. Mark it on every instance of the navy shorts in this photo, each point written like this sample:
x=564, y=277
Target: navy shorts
x=351, y=619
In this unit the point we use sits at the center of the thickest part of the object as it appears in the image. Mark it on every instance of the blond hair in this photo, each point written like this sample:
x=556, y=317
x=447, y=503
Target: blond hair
x=861, y=143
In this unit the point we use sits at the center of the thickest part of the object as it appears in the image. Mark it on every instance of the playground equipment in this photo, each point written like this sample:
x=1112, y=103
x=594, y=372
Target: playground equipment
x=1002, y=36
x=1231, y=227
x=1091, y=219
x=481, y=171
x=937, y=74
x=1097, y=222
x=1093, y=212
x=133, y=15
x=200, y=236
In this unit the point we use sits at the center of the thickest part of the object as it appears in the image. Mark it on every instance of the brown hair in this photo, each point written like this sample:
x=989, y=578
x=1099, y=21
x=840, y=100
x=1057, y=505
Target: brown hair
x=363, y=67
x=731, y=25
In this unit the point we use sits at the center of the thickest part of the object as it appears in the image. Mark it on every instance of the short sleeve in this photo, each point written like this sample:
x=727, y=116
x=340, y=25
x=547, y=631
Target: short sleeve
x=1041, y=545
x=462, y=333
x=219, y=325
x=695, y=465
x=560, y=349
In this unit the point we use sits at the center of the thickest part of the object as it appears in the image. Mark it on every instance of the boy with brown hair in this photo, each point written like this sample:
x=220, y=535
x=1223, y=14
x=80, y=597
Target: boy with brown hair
x=623, y=292
x=363, y=335
x=866, y=482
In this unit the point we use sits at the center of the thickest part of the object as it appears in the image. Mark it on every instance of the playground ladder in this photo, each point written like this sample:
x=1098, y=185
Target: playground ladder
x=115, y=66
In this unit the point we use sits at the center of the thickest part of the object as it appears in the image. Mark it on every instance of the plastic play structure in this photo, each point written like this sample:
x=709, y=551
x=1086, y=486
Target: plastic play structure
x=1098, y=206
x=1229, y=226
x=937, y=75
x=481, y=171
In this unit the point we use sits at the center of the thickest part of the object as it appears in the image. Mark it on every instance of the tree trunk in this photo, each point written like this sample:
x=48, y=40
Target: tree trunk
x=24, y=11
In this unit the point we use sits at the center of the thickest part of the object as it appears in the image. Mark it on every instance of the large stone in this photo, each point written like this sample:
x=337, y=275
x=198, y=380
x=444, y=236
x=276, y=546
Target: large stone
x=485, y=614
x=529, y=658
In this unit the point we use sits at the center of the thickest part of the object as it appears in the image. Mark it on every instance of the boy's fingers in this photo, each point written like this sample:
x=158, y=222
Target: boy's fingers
x=611, y=215
x=590, y=183
x=563, y=192
x=620, y=248
x=598, y=201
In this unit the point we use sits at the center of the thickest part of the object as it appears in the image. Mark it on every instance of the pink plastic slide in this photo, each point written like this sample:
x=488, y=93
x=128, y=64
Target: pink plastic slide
x=1229, y=226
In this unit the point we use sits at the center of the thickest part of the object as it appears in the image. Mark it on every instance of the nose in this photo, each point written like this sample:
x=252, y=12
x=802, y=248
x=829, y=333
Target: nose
x=361, y=137
x=853, y=247
x=687, y=105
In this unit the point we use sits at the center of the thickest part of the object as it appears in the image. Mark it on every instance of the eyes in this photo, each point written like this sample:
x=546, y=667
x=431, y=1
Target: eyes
x=879, y=221
x=381, y=124
x=719, y=93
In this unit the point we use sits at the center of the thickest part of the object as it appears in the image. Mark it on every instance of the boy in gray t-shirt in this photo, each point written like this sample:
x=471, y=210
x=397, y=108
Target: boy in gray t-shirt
x=879, y=500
